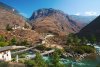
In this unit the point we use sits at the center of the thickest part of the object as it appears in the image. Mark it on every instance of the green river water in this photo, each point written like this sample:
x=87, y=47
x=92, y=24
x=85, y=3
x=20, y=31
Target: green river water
x=91, y=61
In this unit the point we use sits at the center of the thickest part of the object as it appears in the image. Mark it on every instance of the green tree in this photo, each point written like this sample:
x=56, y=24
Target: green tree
x=24, y=43
x=4, y=64
x=2, y=44
x=13, y=41
x=93, y=39
x=69, y=40
x=84, y=41
x=29, y=63
x=39, y=61
x=77, y=40
x=55, y=60
x=2, y=38
x=98, y=65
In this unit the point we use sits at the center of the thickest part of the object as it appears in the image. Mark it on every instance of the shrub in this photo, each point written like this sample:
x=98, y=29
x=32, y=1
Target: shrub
x=3, y=64
x=29, y=63
x=2, y=44
x=13, y=41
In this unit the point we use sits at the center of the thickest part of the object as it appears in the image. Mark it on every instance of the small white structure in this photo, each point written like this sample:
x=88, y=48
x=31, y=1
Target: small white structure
x=5, y=52
x=16, y=27
x=5, y=55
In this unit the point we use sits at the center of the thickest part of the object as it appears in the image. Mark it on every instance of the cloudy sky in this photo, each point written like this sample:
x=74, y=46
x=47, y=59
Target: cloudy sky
x=72, y=7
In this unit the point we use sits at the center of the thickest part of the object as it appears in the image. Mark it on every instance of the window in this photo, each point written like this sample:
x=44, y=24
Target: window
x=2, y=56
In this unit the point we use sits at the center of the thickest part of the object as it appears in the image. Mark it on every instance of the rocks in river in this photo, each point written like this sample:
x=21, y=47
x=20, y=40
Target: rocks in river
x=76, y=56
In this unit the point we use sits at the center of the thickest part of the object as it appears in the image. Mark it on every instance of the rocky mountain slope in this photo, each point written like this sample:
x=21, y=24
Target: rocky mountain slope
x=53, y=21
x=92, y=29
x=9, y=15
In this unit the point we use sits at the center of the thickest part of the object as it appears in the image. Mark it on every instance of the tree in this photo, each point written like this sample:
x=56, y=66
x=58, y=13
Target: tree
x=93, y=39
x=24, y=43
x=2, y=38
x=4, y=64
x=70, y=40
x=2, y=44
x=8, y=27
x=29, y=63
x=39, y=61
x=77, y=40
x=13, y=41
x=84, y=41
x=55, y=60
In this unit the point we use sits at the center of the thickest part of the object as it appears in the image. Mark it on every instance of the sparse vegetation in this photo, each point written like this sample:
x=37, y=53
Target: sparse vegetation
x=13, y=41
x=42, y=48
x=3, y=41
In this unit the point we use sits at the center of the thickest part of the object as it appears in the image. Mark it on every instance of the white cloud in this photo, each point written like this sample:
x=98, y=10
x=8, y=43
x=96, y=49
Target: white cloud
x=77, y=14
x=90, y=13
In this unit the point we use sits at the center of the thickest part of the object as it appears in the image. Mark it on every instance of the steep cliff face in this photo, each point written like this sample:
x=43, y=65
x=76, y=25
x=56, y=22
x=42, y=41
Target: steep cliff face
x=53, y=21
x=9, y=15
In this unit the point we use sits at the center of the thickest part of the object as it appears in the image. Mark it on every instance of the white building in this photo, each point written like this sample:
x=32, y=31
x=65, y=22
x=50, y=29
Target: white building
x=5, y=52
x=5, y=55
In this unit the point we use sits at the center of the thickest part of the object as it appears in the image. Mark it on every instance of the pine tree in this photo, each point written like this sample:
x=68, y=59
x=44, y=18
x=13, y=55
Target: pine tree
x=39, y=61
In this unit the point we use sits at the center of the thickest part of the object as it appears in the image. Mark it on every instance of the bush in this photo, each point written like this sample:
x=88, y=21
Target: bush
x=2, y=44
x=29, y=63
x=13, y=41
x=79, y=51
x=3, y=64
x=55, y=59
x=24, y=43
x=88, y=49
x=41, y=47
x=38, y=61
x=2, y=38
x=98, y=65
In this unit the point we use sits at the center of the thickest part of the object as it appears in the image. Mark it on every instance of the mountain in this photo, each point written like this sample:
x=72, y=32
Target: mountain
x=92, y=29
x=53, y=21
x=9, y=15
x=83, y=19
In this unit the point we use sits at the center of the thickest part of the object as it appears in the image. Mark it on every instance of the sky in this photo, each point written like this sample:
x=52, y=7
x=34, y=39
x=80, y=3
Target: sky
x=71, y=7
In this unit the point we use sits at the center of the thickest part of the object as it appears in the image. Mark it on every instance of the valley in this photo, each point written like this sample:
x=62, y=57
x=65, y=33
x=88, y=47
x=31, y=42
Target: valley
x=49, y=38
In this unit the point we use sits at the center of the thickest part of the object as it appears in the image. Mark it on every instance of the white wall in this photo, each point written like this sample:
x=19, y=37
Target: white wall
x=6, y=55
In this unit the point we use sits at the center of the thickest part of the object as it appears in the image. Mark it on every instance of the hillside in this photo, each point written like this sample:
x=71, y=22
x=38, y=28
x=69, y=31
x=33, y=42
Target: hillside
x=9, y=15
x=29, y=35
x=53, y=21
x=92, y=29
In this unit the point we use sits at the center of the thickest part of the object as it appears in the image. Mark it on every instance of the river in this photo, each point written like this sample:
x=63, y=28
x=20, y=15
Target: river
x=90, y=61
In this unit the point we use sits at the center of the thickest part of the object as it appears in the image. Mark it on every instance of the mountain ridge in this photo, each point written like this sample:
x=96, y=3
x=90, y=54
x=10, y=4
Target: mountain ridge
x=54, y=21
